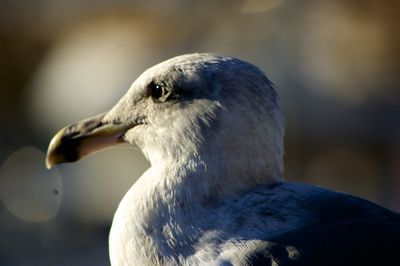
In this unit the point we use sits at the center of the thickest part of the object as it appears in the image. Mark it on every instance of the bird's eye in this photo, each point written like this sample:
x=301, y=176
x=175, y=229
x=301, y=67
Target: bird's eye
x=158, y=92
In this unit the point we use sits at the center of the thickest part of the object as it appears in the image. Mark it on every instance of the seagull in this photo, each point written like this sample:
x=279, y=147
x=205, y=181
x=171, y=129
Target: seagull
x=212, y=128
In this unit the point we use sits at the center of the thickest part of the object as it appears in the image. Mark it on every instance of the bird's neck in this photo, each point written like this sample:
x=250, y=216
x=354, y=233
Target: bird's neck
x=207, y=180
x=171, y=197
x=144, y=216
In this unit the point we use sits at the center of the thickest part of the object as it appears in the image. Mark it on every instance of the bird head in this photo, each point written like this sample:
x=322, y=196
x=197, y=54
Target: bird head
x=202, y=107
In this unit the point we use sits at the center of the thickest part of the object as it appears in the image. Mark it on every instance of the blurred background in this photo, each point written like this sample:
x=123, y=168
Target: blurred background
x=335, y=64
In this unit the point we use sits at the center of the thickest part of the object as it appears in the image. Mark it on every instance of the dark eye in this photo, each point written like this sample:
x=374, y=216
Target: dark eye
x=158, y=92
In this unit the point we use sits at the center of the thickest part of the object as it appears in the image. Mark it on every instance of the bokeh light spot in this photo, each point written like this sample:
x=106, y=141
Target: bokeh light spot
x=27, y=189
x=85, y=73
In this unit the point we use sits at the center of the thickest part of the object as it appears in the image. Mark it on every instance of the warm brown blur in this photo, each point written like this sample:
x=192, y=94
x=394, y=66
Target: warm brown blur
x=334, y=63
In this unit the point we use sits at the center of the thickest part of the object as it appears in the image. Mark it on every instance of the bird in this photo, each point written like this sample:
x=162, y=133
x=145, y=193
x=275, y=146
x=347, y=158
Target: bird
x=212, y=128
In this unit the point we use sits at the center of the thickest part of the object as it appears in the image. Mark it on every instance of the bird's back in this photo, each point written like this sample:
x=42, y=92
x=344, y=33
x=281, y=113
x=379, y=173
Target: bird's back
x=313, y=226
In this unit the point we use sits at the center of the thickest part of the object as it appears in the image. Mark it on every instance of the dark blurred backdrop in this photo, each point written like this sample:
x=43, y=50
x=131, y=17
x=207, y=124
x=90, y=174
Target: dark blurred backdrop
x=335, y=64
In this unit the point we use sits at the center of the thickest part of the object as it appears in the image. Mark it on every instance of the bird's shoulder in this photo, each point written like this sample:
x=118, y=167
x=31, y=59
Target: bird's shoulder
x=312, y=204
x=321, y=227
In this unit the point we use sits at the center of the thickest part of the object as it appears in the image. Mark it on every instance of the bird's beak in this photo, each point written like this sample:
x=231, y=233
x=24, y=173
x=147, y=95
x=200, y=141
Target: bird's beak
x=83, y=138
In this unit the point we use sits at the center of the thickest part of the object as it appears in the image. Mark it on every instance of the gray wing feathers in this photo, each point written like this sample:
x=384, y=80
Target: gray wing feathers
x=346, y=230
